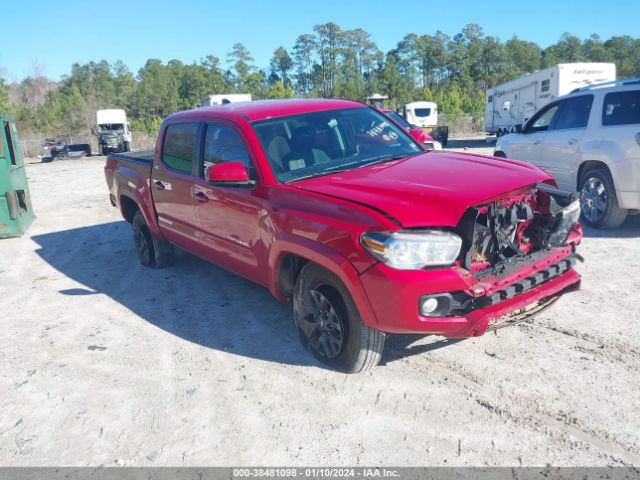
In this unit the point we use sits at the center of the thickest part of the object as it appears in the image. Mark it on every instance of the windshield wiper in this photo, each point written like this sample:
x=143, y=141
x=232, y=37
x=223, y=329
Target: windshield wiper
x=352, y=165
x=387, y=158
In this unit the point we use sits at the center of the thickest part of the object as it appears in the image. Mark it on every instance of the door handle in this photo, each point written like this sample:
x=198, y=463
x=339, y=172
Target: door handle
x=159, y=185
x=201, y=197
x=572, y=141
x=537, y=142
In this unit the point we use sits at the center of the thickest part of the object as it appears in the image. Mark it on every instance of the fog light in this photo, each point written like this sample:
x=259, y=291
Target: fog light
x=438, y=305
x=428, y=306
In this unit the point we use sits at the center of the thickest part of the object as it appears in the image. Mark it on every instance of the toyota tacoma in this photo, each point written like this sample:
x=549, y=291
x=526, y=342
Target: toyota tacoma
x=333, y=206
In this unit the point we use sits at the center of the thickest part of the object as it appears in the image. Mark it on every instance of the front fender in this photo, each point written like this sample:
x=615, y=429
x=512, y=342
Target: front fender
x=325, y=257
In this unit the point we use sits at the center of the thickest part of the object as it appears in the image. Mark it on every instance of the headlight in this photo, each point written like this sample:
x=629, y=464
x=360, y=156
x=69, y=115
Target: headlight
x=569, y=216
x=413, y=250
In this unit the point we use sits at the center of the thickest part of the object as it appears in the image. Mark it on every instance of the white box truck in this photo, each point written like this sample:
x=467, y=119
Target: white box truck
x=509, y=106
x=113, y=131
x=211, y=100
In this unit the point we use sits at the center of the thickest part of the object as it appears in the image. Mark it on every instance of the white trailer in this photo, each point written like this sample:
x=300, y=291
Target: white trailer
x=509, y=106
x=211, y=100
x=422, y=114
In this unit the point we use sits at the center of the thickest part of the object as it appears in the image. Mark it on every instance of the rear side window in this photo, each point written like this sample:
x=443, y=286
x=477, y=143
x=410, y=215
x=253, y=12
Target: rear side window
x=179, y=149
x=621, y=108
x=574, y=113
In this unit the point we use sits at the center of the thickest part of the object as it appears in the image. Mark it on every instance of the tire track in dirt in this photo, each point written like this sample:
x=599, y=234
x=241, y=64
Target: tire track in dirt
x=592, y=343
x=536, y=420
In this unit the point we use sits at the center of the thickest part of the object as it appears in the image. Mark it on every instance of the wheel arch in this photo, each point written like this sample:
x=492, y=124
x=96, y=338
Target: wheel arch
x=289, y=253
x=587, y=166
x=130, y=203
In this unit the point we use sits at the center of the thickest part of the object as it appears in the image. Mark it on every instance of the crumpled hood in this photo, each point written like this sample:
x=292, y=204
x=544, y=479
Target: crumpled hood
x=433, y=189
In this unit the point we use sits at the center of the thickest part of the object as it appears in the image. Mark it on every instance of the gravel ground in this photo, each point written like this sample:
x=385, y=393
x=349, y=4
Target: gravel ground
x=105, y=362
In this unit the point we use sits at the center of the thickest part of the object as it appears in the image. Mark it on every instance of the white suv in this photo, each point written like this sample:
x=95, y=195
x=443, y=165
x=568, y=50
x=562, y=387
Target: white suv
x=589, y=141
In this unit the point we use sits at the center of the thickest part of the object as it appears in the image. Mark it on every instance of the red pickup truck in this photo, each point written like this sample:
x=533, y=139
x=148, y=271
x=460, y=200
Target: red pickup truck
x=330, y=204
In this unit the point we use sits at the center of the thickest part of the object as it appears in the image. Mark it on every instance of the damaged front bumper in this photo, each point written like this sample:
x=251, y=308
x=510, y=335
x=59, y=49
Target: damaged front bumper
x=476, y=306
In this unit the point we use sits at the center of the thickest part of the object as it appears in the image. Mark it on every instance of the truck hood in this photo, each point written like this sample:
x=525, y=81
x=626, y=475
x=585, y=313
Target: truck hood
x=432, y=189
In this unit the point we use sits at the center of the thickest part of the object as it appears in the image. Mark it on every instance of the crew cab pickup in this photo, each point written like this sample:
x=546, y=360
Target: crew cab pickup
x=330, y=204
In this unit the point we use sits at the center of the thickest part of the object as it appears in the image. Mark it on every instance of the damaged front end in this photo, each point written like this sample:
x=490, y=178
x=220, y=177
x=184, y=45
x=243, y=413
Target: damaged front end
x=500, y=236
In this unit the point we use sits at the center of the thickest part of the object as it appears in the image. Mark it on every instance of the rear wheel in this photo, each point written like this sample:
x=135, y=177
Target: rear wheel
x=329, y=324
x=152, y=251
x=127, y=146
x=598, y=200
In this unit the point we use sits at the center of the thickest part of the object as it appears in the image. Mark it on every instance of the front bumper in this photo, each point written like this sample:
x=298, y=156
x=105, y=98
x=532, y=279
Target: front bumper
x=394, y=295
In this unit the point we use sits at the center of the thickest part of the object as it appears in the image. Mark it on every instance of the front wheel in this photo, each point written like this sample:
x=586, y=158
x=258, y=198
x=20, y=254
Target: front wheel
x=329, y=324
x=598, y=200
x=127, y=146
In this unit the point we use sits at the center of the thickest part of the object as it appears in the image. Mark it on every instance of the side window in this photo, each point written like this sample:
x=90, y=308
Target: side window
x=545, y=86
x=621, y=108
x=223, y=144
x=541, y=121
x=574, y=113
x=179, y=148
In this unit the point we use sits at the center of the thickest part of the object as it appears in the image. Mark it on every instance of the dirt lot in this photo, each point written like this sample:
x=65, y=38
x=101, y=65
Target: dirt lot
x=103, y=361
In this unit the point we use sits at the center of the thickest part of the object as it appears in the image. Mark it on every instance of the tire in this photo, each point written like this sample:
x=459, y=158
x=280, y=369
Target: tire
x=598, y=200
x=152, y=252
x=127, y=146
x=500, y=154
x=329, y=324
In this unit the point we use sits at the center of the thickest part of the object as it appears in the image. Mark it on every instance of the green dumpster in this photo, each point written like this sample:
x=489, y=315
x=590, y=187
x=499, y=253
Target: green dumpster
x=16, y=213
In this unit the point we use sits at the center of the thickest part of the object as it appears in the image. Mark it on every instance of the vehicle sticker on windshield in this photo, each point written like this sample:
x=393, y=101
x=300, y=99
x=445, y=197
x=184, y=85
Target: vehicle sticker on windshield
x=378, y=129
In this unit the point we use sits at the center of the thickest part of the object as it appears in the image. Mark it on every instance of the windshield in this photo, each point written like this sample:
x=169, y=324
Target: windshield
x=110, y=127
x=319, y=143
x=398, y=118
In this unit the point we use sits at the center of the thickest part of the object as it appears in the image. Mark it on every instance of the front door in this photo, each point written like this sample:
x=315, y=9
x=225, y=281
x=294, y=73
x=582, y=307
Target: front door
x=229, y=216
x=560, y=152
x=527, y=146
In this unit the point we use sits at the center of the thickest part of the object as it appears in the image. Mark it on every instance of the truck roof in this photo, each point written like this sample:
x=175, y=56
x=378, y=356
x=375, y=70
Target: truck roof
x=263, y=109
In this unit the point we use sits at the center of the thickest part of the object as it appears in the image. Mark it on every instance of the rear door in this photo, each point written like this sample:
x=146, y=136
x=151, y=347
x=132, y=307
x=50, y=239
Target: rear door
x=560, y=150
x=172, y=183
x=228, y=216
x=621, y=120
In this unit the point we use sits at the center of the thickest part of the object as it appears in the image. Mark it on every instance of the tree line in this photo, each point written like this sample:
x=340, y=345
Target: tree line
x=453, y=70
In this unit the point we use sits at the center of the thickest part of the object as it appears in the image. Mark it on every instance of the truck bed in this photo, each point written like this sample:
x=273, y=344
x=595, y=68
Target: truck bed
x=139, y=156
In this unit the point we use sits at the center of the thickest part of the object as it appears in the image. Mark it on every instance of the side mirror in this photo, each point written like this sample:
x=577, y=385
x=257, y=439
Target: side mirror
x=232, y=173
